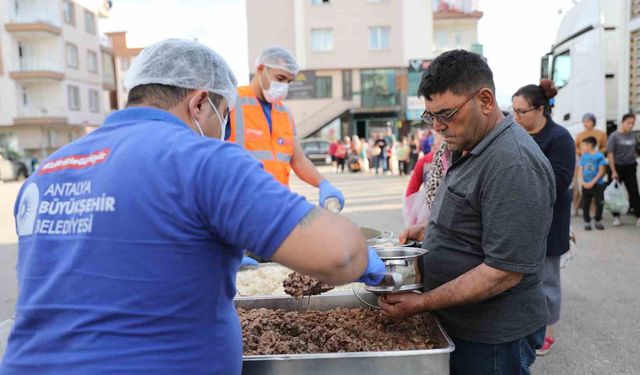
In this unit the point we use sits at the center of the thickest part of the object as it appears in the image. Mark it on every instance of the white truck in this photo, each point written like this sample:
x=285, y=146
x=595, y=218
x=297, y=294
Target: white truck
x=590, y=64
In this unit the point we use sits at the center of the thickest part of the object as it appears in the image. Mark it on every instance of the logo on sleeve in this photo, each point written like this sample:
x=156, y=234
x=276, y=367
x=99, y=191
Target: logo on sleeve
x=27, y=210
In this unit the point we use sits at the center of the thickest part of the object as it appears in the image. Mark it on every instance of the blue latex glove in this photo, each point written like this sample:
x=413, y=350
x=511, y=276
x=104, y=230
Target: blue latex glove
x=375, y=267
x=329, y=191
x=248, y=262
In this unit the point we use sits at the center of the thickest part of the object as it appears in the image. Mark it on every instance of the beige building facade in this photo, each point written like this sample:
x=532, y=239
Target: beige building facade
x=361, y=60
x=455, y=26
x=123, y=57
x=56, y=73
x=354, y=56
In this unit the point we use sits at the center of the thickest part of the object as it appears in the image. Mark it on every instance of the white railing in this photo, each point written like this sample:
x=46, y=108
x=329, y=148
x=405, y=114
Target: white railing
x=51, y=17
x=37, y=64
x=40, y=111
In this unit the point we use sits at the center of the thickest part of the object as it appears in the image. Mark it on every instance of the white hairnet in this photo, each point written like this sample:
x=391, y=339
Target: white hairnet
x=278, y=58
x=183, y=63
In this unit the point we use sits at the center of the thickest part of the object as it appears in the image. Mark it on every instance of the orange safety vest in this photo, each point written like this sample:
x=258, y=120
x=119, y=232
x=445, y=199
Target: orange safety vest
x=250, y=130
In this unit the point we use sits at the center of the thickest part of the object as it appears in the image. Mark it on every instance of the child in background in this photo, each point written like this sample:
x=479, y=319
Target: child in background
x=591, y=173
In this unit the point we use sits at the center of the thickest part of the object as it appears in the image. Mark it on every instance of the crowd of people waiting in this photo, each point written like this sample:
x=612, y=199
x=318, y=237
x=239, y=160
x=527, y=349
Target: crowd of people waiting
x=382, y=153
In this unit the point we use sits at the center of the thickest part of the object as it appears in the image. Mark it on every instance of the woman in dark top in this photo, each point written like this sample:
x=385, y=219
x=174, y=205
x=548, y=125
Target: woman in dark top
x=532, y=110
x=415, y=152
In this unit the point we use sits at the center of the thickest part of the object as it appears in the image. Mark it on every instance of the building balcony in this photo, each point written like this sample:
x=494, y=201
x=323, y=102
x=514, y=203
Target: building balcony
x=34, y=22
x=37, y=69
x=41, y=115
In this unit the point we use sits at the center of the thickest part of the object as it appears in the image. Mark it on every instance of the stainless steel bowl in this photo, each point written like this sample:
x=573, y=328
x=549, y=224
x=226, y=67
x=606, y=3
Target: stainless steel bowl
x=388, y=243
x=374, y=236
x=370, y=233
x=402, y=271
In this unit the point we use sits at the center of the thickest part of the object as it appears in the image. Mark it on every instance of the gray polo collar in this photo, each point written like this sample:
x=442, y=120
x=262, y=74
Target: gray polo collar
x=493, y=134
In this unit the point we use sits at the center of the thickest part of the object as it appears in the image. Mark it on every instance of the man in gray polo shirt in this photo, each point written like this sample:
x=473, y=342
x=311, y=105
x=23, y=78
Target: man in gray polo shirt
x=487, y=231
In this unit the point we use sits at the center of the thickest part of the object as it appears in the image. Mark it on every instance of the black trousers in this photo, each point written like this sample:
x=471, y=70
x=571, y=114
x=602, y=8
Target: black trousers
x=627, y=175
x=403, y=167
x=595, y=193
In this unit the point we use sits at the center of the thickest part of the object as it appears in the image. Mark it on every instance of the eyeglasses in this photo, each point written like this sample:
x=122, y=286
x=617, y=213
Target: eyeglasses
x=429, y=118
x=522, y=112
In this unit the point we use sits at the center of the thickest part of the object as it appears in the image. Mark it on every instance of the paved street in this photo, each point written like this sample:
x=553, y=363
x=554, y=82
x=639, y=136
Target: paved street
x=599, y=332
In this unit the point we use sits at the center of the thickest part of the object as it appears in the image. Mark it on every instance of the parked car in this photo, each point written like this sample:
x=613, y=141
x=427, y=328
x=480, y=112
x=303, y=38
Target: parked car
x=11, y=168
x=317, y=150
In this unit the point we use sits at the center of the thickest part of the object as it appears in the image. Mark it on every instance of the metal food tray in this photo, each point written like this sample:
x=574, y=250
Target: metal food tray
x=424, y=362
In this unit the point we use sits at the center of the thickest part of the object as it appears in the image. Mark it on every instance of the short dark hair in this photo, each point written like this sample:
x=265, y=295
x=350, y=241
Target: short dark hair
x=590, y=140
x=458, y=71
x=538, y=95
x=628, y=116
x=162, y=96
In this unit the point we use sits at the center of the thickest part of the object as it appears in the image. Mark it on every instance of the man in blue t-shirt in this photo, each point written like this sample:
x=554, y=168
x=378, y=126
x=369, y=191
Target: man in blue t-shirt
x=130, y=238
x=591, y=172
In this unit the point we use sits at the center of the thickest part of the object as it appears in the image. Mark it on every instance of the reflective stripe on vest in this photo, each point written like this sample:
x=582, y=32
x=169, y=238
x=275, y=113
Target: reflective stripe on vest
x=283, y=157
x=262, y=154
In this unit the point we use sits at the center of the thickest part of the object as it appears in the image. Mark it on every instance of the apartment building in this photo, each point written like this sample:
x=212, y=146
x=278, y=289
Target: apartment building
x=56, y=73
x=455, y=26
x=354, y=56
x=123, y=57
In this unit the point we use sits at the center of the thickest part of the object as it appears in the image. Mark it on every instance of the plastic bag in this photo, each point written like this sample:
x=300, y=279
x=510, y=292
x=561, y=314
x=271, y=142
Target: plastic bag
x=415, y=210
x=616, y=198
x=573, y=250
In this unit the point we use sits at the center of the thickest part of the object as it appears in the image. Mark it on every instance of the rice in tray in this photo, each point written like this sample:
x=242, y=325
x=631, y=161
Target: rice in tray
x=266, y=280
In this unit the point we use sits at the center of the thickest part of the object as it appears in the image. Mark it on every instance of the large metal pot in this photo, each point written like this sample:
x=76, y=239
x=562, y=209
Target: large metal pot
x=402, y=271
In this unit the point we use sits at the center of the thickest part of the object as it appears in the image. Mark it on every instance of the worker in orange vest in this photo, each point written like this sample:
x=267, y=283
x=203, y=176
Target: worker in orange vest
x=262, y=125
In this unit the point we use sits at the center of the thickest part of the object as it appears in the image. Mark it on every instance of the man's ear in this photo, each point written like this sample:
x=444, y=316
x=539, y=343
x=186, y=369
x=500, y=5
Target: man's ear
x=196, y=101
x=487, y=101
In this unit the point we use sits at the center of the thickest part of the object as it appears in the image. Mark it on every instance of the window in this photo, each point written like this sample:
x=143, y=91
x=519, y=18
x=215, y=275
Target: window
x=92, y=61
x=94, y=101
x=561, y=69
x=52, y=138
x=379, y=87
x=635, y=8
x=347, y=88
x=634, y=73
x=73, y=93
x=458, y=39
x=25, y=96
x=72, y=56
x=441, y=39
x=69, y=12
x=379, y=37
x=321, y=40
x=89, y=22
x=323, y=87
